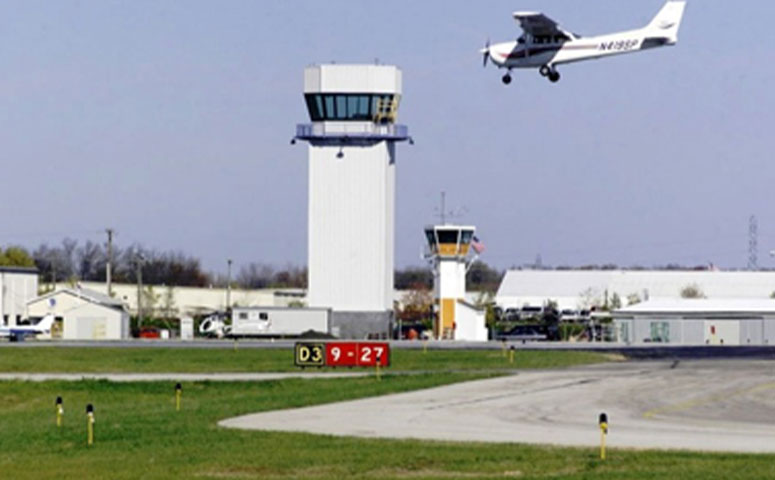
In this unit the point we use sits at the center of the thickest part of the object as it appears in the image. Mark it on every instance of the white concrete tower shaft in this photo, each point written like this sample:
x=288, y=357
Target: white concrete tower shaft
x=352, y=136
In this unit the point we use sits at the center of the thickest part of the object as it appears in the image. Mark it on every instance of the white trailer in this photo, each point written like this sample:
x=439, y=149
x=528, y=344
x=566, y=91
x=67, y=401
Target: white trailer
x=278, y=321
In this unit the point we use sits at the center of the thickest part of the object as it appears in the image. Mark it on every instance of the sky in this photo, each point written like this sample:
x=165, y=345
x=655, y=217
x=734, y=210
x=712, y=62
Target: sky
x=170, y=122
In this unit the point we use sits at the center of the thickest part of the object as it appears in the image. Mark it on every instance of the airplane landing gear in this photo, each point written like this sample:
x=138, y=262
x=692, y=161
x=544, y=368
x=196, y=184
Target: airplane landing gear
x=550, y=73
x=506, y=79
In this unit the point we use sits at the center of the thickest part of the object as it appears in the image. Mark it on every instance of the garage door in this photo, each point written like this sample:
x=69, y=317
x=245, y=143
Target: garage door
x=722, y=332
x=91, y=328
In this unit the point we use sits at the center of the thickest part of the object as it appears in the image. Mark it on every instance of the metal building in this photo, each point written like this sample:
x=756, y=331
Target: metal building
x=352, y=136
x=18, y=285
x=698, y=322
x=82, y=314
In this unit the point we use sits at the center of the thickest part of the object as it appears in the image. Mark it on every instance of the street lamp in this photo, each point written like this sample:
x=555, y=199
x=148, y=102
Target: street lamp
x=139, y=261
x=228, y=286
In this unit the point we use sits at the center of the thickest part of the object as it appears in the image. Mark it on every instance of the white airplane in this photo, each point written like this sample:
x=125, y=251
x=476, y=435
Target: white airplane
x=43, y=326
x=544, y=44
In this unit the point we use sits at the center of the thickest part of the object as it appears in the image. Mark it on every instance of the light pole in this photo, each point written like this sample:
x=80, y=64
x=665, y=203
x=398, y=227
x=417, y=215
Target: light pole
x=228, y=285
x=139, y=260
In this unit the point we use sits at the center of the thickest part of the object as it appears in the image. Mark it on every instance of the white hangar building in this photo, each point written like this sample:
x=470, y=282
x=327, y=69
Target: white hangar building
x=82, y=314
x=18, y=285
x=573, y=289
x=698, y=321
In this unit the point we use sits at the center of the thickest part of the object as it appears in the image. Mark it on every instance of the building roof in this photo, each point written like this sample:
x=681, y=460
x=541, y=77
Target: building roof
x=86, y=294
x=570, y=286
x=700, y=305
x=28, y=270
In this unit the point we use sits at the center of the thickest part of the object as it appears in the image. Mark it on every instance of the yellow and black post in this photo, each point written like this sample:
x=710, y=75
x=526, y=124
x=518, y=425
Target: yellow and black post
x=512, y=350
x=603, y=433
x=60, y=411
x=178, y=394
x=90, y=423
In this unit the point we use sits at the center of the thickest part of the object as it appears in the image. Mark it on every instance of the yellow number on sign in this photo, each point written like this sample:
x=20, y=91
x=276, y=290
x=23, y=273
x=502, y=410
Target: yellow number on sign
x=317, y=354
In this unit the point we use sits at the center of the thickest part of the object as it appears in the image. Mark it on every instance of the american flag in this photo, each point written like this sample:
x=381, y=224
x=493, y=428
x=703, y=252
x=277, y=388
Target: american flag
x=477, y=245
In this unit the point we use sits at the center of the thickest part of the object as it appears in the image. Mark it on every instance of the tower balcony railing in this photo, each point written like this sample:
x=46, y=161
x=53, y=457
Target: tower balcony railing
x=344, y=131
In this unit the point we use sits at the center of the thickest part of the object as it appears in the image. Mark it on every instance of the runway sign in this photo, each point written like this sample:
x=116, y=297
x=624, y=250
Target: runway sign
x=342, y=354
x=310, y=354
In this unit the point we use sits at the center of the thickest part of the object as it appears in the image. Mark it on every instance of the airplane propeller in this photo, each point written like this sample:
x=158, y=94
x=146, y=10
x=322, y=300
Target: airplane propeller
x=486, y=53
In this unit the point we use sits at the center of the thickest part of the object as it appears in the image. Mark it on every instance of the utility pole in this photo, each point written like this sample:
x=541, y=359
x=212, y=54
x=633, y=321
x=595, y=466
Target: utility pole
x=139, y=260
x=108, y=264
x=228, y=285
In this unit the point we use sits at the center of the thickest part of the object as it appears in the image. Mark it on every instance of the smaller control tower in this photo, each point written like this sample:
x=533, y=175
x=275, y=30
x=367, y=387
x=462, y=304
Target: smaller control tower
x=451, y=254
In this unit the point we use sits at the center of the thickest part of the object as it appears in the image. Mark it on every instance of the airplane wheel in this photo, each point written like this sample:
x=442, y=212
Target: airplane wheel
x=554, y=77
x=544, y=71
x=506, y=79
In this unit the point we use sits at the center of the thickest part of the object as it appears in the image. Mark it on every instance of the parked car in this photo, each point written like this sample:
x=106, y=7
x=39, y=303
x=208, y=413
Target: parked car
x=525, y=333
x=150, y=332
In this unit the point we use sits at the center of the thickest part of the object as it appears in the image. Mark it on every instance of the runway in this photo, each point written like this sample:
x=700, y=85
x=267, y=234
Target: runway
x=695, y=405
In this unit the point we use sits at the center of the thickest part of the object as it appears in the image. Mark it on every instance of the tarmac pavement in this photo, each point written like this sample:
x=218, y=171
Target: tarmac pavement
x=726, y=405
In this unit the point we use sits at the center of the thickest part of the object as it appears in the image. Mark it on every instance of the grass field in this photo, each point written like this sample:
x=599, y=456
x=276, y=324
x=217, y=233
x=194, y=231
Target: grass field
x=140, y=435
x=187, y=360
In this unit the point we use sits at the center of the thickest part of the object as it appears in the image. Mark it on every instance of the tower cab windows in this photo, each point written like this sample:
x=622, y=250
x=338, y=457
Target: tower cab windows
x=351, y=107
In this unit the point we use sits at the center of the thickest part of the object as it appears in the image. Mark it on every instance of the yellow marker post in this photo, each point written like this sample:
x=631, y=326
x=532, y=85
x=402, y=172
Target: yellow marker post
x=603, y=433
x=178, y=394
x=60, y=411
x=511, y=354
x=90, y=423
x=425, y=346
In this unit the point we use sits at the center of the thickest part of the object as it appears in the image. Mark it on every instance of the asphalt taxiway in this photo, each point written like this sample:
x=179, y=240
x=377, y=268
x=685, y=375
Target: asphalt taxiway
x=702, y=405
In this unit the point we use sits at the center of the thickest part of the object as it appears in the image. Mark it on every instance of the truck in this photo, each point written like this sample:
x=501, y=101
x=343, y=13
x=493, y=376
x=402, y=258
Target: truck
x=278, y=321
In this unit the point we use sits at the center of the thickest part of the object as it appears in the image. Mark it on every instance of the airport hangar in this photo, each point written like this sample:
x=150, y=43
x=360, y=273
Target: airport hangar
x=697, y=321
x=737, y=308
x=577, y=289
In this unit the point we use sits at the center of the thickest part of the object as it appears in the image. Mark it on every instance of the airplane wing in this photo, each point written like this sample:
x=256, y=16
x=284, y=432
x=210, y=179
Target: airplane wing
x=535, y=23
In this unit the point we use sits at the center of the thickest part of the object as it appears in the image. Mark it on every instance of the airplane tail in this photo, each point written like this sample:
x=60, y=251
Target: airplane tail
x=45, y=323
x=667, y=22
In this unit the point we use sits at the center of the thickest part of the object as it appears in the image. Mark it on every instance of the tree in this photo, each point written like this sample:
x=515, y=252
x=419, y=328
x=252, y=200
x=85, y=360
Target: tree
x=692, y=291
x=261, y=275
x=482, y=277
x=411, y=277
x=415, y=304
x=616, y=302
x=14, y=256
x=632, y=299
x=486, y=300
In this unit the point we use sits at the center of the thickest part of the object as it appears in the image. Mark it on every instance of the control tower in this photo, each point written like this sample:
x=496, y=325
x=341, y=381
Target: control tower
x=451, y=251
x=352, y=136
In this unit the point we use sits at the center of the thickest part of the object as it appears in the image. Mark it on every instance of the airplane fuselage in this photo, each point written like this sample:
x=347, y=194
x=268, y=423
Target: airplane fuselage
x=532, y=54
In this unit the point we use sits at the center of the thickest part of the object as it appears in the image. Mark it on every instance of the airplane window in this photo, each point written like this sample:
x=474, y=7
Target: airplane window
x=466, y=237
